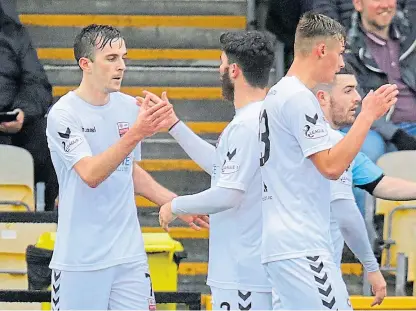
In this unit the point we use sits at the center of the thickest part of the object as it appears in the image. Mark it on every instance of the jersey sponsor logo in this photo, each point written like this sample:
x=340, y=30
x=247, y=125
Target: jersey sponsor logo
x=66, y=134
x=231, y=155
x=69, y=142
x=313, y=119
x=313, y=132
x=230, y=167
x=89, y=129
x=122, y=127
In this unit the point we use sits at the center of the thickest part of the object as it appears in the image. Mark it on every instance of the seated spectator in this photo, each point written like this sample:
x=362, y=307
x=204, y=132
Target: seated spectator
x=342, y=10
x=380, y=47
x=25, y=88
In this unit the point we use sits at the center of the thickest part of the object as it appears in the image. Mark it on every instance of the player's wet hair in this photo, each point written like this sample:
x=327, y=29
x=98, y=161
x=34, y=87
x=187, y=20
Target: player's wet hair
x=312, y=27
x=253, y=52
x=92, y=37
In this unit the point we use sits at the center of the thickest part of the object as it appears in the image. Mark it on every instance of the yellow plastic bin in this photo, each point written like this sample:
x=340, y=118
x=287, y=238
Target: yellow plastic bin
x=164, y=255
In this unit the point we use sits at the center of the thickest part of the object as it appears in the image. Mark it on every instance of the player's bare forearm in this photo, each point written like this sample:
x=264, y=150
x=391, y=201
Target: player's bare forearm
x=94, y=170
x=146, y=186
x=390, y=188
x=333, y=162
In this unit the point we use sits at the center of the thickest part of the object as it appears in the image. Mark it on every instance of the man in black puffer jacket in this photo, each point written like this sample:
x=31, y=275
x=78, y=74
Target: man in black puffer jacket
x=25, y=89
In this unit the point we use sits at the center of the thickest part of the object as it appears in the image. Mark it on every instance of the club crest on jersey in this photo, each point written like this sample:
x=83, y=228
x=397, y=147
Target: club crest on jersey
x=152, y=304
x=123, y=127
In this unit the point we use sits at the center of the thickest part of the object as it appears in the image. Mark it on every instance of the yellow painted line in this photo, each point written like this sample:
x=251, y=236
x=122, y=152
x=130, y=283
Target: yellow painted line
x=143, y=202
x=137, y=21
x=357, y=302
x=179, y=232
x=211, y=93
x=139, y=54
x=352, y=268
x=193, y=268
x=169, y=165
x=389, y=303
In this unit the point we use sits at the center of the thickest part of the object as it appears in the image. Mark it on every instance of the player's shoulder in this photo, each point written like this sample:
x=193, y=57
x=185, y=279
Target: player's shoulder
x=125, y=100
x=64, y=105
x=288, y=90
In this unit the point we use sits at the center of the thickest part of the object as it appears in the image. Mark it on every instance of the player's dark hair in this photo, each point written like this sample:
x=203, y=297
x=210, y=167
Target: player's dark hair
x=314, y=26
x=94, y=36
x=253, y=52
x=347, y=70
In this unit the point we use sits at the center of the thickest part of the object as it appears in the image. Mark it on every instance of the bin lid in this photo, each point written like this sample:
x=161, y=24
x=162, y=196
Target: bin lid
x=46, y=240
x=160, y=242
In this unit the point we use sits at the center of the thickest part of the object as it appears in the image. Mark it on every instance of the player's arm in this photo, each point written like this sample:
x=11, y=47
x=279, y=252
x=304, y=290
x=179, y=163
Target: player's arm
x=352, y=226
x=197, y=148
x=333, y=162
x=74, y=149
x=241, y=163
x=146, y=186
x=369, y=177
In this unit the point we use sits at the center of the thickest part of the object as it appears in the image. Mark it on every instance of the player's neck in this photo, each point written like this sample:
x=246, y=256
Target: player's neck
x=90, y=94
x=302, y=70
x=248, y=95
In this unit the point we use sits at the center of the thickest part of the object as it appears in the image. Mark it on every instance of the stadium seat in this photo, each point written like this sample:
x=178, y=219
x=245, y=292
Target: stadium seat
x=16, y=179
x=15, y=237
x=399, y=226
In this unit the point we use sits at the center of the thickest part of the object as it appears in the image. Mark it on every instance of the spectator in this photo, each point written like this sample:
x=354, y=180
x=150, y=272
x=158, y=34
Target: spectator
x=381, y=49
x=342, y=10
x=24, y=87
x=282, y=18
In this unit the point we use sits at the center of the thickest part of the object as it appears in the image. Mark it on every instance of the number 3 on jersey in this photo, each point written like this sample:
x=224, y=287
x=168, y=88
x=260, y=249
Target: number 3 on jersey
x=264, y=137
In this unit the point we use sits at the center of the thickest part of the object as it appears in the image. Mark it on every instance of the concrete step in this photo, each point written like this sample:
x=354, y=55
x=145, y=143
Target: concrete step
x=144, y=38
x=165, y=148
x=182, y=182
x=162, y=7
x=143, y=76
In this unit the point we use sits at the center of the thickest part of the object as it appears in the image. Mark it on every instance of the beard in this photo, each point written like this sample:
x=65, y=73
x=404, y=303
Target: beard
x=227, y=86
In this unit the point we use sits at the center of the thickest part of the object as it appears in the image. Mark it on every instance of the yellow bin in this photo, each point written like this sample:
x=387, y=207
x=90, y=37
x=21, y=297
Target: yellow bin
x=164, y=255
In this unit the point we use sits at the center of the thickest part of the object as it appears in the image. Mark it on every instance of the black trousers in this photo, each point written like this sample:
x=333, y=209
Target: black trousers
x=32, y=137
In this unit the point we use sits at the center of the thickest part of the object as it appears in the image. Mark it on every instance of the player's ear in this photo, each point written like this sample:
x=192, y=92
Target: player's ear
x=234, y=71
x=85, y=64
x=321, y=50
x=323, y=98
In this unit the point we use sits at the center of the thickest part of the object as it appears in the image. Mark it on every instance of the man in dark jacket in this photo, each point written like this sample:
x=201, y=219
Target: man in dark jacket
x=24, y=88
x=342, y=10
x=381, y=46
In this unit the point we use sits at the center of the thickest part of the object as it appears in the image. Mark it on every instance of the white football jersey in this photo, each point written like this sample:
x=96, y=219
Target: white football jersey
x=235, y=234
x=296, y=197
x=340, y=189
x=97, y=227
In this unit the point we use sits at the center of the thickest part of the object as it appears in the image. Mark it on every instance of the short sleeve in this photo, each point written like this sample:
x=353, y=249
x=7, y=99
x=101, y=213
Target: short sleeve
x=364, y=170
x=65, y=137
x=305, y=122
x=241, y=159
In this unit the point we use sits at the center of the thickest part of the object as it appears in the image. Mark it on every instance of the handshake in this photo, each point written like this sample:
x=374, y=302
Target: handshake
x=166, y=217
x=155, y=114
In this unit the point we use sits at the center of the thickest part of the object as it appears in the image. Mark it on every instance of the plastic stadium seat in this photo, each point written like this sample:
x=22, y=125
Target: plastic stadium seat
x=16, y=179
x=14, y=239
